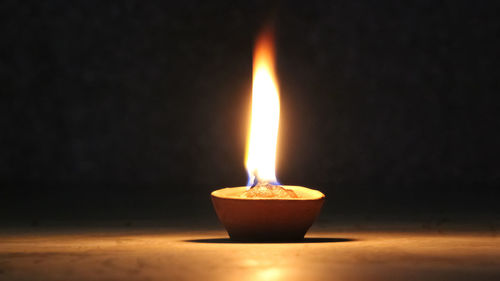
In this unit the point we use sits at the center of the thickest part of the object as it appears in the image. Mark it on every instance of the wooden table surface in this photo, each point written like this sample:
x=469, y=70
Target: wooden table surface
x=169, y=254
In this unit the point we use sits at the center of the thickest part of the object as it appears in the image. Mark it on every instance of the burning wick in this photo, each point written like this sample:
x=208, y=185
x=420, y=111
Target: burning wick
x=267, y=190
x=263, y=137
x=264, y=189
x=260, y=159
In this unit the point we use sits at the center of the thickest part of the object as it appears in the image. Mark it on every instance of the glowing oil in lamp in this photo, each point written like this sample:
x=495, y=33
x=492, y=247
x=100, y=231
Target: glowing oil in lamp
x=265, y=210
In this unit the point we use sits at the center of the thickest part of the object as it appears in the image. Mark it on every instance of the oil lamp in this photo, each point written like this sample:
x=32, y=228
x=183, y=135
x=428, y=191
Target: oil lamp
x=264, y=210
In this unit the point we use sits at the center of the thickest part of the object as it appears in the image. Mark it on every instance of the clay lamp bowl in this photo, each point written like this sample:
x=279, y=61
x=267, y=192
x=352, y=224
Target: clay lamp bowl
x=267, y=219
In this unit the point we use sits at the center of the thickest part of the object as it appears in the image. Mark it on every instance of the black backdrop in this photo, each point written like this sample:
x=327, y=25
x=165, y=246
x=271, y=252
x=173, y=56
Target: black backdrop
x=139, y=109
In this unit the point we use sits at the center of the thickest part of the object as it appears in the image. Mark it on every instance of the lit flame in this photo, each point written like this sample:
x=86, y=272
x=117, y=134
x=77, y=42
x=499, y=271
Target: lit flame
x=263, y=137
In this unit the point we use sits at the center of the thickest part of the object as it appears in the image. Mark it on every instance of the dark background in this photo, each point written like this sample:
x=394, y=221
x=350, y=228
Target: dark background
x=137, y=110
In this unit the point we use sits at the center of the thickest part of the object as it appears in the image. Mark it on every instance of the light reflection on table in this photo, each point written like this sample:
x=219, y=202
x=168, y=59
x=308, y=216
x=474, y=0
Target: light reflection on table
x=177, y=255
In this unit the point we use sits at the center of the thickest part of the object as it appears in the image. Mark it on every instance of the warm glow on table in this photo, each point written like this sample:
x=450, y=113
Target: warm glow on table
x=175, y=255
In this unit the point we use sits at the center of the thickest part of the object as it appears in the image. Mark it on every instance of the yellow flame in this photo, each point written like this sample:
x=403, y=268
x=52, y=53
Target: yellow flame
x=263, y=137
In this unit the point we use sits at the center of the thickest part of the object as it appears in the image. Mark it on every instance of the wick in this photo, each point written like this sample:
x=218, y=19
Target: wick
x=256, y=181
